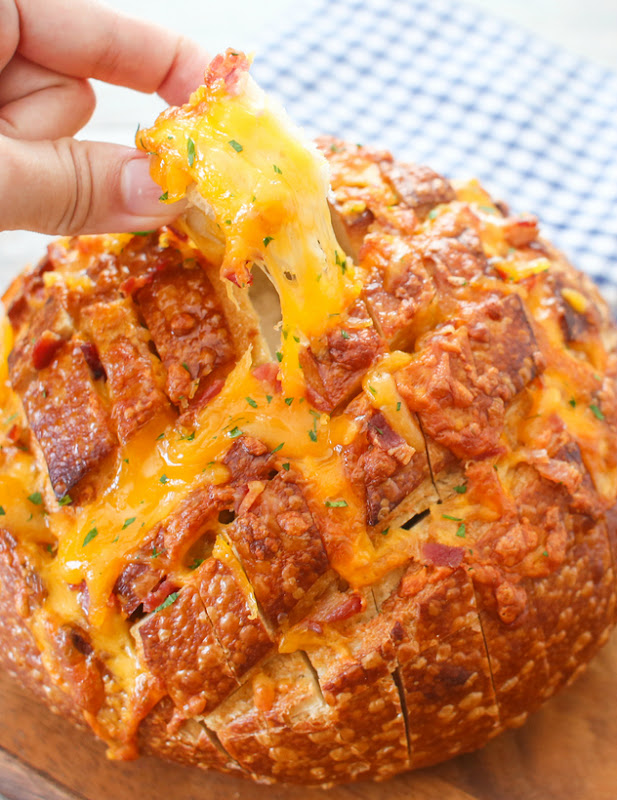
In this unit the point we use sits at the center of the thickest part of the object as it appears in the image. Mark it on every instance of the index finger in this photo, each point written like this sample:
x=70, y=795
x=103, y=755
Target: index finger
x=87, y=39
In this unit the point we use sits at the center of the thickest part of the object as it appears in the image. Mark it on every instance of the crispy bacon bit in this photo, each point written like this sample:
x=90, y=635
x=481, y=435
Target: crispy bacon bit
x=521, y=231
x=229, y=68
x=45, y=349
x=91, y=354
x=443, y=555
x=353, y=604
x=268, y=373
x=159, y=595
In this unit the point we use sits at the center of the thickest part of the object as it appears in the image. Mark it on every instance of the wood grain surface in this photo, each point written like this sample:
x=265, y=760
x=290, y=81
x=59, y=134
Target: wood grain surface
x=567, y=751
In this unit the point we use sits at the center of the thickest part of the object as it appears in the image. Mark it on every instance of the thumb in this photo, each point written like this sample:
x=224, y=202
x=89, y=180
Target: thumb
x=69, y=187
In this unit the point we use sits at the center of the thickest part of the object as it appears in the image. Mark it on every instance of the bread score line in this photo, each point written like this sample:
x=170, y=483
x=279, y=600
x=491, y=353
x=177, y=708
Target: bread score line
x=418, y=483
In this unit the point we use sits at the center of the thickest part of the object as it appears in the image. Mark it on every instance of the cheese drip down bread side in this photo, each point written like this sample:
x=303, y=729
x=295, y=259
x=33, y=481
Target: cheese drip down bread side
x=358, y=543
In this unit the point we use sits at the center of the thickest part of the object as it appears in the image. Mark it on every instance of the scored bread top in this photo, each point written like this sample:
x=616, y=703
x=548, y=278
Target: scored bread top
x=377, y=546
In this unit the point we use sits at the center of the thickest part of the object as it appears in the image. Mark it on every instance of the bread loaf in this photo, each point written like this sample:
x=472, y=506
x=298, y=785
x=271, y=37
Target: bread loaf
x=358, y=543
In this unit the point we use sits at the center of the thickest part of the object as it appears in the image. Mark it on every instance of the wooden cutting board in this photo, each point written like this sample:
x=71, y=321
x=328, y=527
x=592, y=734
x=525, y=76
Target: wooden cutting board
x=567, y=751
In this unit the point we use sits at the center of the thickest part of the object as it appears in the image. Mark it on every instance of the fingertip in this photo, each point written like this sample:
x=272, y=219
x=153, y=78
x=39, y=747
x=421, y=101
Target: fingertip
x=185, y=74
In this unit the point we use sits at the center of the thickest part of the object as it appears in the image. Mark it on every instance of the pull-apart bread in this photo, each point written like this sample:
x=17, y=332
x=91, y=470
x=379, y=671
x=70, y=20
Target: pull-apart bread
x=357, y=543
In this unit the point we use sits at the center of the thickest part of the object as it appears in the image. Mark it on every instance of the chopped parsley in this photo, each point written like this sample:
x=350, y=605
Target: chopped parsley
x=269, y=398
x=188, y=438
x=128, y=522
x=596, y=411
x=286, y=466
x=36, y=498
x=168, y=602
x=92, y=533
x=236, y=145
x=288, y=401
x=156, y=553
x=251, y=402
x=313, y=435
x=454, y=519
x=372, y=390
x=163, y=479
x=267, y=240
x=572, y=402
x=336, y=503
x=277, y=169
x=340, y=262
x=279, y=356
x=545, y=554
x=398, y=406
x=196, y=563
x=2, y=511
x=190, y=149
x=278, y=447
x=460, y=489
x=164, y=196
x=461, y=530
x=186, y=367
x=66, y=500
x=142, y=233
x=235, y=432
x=344, y=334
x=158, y=438
x=385, y=531
x=433, y=213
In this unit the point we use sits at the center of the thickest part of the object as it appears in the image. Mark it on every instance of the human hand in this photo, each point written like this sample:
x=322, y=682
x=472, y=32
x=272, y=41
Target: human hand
x=49, y=182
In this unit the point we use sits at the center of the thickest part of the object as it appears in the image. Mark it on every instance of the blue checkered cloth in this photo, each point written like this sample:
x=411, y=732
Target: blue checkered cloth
x=444, y=84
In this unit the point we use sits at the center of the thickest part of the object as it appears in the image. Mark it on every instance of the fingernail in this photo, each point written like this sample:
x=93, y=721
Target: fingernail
x=140, y=193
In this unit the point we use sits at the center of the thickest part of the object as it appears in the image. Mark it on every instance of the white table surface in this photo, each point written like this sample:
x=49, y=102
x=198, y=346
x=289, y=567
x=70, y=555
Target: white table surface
x=588, y=28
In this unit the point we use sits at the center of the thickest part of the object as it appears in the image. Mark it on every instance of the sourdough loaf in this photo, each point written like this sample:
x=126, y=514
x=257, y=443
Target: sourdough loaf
x=335, y=558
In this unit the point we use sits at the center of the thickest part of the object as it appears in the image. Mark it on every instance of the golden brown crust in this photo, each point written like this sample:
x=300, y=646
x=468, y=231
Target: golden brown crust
x=487, y=454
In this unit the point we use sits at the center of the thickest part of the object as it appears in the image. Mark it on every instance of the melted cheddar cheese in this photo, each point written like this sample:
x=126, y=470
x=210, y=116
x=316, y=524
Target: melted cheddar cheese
x=234, y=153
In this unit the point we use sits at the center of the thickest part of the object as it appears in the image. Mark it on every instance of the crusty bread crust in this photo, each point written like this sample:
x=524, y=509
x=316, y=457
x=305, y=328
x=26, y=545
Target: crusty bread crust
x=489, y=457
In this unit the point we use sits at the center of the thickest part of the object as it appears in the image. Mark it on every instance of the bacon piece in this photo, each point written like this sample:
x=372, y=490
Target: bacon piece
x=443, y=555
x=229, y=68
x=383, y=468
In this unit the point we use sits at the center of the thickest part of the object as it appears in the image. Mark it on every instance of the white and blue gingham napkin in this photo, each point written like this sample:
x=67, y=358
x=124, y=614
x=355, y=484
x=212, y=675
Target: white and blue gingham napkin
x=442, y=83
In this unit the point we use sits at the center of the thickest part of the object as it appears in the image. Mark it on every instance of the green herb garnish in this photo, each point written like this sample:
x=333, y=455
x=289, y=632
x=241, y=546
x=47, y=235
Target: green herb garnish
x=251, y=402
x=92, y=533
x=190, y=149
x=36, y=498
x=460, y=489
x=596, y=411
x=166, y=603
x=236, y=145
x=336, y=503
